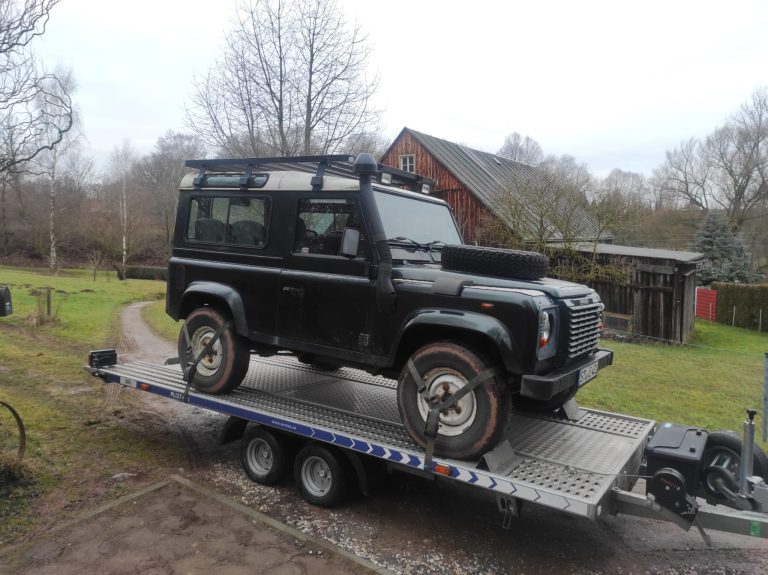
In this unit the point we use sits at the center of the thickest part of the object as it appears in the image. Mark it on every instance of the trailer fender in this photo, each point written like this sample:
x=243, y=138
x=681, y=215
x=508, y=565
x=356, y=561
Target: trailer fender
x=233, y=430
x=216, y=291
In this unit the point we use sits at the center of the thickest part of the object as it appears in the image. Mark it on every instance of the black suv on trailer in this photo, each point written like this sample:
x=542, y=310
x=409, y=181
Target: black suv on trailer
x=330, y=258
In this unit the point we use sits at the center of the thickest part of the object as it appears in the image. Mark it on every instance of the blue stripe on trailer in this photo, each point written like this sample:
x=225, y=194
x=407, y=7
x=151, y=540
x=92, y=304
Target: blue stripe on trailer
x=472, y=477
x=395, y=455
x=414, y=461
x=343, y=441
x=361, y=446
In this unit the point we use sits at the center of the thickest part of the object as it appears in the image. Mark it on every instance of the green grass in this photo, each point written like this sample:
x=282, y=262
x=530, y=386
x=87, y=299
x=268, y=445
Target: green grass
x=707, y=384
x=79, y=432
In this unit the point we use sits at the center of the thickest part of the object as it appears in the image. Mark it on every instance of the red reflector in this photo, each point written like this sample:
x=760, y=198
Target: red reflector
x=442, y=469
x=144, y=386
x=543, y=342
x=486, y=306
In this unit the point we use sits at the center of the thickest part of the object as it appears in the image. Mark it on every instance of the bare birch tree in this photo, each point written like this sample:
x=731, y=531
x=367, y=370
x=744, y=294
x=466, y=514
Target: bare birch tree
x=293, y=79
x=122, y=162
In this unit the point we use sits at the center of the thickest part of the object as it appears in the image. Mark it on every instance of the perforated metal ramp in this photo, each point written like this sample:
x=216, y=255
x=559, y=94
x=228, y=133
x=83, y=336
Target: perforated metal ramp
x=569, y=465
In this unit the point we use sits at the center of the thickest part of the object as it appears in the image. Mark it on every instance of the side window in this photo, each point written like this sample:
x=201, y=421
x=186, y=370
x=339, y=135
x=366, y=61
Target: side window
x=228, y=220
x=321, y=223
x=408, y=163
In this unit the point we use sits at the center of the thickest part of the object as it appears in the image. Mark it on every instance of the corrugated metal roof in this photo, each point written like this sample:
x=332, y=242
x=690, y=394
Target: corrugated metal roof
x=487, y=177
x=632, y=251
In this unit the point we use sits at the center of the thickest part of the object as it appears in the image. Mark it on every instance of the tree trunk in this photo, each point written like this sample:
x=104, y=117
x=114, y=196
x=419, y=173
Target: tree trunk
x=53, y=263
x=124, y=224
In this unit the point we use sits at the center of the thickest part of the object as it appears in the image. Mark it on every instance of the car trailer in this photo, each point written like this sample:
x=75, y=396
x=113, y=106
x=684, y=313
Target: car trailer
x=580, y=461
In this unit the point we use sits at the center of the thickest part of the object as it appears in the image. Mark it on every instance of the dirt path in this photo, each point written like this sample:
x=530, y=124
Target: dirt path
x=138, y=341
x=411, y=525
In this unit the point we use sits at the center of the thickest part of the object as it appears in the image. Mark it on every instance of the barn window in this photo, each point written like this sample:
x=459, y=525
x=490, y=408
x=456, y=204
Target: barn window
x=408, y=163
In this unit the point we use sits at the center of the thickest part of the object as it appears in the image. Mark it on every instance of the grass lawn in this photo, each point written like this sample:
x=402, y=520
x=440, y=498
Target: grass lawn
x=77, y=437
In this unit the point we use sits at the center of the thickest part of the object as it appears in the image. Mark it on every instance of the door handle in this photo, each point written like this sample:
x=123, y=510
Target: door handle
x=293, y=291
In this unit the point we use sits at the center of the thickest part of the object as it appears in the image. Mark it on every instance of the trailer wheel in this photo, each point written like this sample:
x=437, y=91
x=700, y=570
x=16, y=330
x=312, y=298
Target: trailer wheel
x=225, y=366
x=476, y=422
x=321, y=475
x=264, y=456
x=555, y=402
x=722, y=460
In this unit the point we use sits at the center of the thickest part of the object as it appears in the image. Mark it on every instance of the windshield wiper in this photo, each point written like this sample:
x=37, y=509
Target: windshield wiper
x=404, y=240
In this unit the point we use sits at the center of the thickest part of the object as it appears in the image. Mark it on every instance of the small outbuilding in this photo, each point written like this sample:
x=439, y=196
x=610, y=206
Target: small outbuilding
x=657, y=297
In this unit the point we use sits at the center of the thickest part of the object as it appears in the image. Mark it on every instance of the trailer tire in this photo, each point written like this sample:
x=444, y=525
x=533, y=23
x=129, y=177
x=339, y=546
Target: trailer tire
x=722, y=447
x=322, y=476
x=224, y=368
x=475, y=424
x=495, y=261
x=264, y=456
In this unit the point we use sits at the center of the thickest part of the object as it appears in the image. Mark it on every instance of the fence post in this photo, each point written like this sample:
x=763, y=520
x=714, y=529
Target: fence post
x=710, y=311
x=765, y=399
x=733, y=318
x=760, y=321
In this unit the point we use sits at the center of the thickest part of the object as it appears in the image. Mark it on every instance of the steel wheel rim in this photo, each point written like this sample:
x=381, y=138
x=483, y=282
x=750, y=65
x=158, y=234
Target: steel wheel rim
x=259, y=456
x=316, y=476
x=444, y=382
x=211, y=362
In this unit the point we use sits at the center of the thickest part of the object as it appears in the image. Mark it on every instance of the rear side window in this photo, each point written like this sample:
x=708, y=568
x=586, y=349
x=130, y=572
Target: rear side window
x=228, y=220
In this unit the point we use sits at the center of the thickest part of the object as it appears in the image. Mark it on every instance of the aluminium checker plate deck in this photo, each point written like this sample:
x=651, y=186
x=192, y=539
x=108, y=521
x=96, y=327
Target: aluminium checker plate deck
x=566, y=465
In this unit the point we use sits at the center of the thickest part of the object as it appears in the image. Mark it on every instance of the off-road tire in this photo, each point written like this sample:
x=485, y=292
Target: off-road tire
x=729, y=442
x=491, y=400
x=556, y=402
x=224, y=373
x=495, y=262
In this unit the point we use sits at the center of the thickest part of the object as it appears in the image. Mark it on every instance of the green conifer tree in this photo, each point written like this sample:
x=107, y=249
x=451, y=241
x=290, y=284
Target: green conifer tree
x=726, y=257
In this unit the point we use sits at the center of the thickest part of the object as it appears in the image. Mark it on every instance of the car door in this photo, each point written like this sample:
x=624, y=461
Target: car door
x=325, y=297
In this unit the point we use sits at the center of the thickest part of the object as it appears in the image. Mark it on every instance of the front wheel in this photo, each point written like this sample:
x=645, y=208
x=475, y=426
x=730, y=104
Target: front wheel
x=223, y=368
x=475, y=423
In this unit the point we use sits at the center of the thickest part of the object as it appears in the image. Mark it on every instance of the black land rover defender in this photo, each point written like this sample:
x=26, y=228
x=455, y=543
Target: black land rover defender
x=330, y=258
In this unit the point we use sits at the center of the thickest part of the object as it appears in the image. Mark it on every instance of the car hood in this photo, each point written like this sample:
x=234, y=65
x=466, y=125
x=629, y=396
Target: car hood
x=557, y=289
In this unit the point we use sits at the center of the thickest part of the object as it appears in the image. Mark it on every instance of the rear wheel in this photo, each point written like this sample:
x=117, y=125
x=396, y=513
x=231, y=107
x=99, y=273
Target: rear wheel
x=475, y=423
x=226, y=363
x=322, y=476
x=264, y=456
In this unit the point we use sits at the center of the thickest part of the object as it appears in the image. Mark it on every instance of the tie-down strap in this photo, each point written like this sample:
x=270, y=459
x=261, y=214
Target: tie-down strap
x=189, y=368
x=436, y=405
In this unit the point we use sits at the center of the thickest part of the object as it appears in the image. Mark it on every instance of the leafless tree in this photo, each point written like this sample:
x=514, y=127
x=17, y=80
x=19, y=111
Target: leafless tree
x=522, y=149
x=122, y=163
x=293, y=79
x=33, y=103
x=728, y=170
x=161, y=172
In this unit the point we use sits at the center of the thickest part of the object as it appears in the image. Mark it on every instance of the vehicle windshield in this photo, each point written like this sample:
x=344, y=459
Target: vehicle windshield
x=416, y=222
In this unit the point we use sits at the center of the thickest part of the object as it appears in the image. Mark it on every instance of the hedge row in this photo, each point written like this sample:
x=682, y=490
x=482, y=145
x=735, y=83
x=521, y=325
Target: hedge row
x=146, y=273
x=748, y=301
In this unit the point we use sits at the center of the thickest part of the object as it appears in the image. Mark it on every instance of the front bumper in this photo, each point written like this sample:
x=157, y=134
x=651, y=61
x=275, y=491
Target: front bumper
x=547, y=386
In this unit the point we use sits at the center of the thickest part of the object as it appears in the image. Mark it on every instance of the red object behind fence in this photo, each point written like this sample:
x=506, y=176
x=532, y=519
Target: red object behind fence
x=706, y=303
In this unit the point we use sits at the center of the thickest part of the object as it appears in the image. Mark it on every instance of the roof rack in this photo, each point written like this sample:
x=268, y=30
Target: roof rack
x=337, y=164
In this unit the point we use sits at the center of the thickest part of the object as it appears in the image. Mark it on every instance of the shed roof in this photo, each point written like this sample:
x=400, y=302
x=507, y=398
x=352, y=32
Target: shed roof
x=487, y=177
x=633, y=251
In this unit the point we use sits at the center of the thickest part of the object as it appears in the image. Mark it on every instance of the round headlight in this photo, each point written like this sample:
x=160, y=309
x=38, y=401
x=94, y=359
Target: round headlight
x=545, y=329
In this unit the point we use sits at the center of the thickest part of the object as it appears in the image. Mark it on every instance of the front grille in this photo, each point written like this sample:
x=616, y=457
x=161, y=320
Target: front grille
x=585, y=315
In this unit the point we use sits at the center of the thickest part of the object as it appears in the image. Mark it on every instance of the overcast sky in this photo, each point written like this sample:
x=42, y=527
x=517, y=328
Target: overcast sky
x=614, y=84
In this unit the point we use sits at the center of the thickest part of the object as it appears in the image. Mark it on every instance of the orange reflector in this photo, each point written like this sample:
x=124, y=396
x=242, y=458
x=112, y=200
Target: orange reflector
x=543, y=341
x=144, y=386
x=442, y=469
x=486, y=305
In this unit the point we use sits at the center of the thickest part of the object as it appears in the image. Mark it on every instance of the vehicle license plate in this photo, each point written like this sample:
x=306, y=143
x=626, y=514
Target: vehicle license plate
x=587, y=373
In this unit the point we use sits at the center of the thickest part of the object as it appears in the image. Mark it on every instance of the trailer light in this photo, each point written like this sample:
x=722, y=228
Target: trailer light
x=442, y=469
x=144, y=386
x=486, y=305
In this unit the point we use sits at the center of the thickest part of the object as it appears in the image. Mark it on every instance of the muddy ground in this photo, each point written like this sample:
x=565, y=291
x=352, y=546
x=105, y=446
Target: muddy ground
x=408, y=524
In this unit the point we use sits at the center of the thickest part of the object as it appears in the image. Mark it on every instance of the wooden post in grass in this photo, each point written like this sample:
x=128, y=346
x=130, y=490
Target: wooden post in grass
x=733, y=318
x=48, y=302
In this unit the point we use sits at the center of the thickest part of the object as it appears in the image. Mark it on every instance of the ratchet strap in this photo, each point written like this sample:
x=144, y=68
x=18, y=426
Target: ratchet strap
x=189, y=368
x=436, y=405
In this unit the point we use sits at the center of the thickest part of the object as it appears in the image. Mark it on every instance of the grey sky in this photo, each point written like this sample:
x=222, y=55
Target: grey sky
x=613, y=83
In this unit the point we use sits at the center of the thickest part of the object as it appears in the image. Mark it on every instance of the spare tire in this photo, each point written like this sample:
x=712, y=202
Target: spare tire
x=495, y=262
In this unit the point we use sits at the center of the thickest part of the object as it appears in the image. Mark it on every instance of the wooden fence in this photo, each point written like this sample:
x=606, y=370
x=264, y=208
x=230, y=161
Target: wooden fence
x=706, y=304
